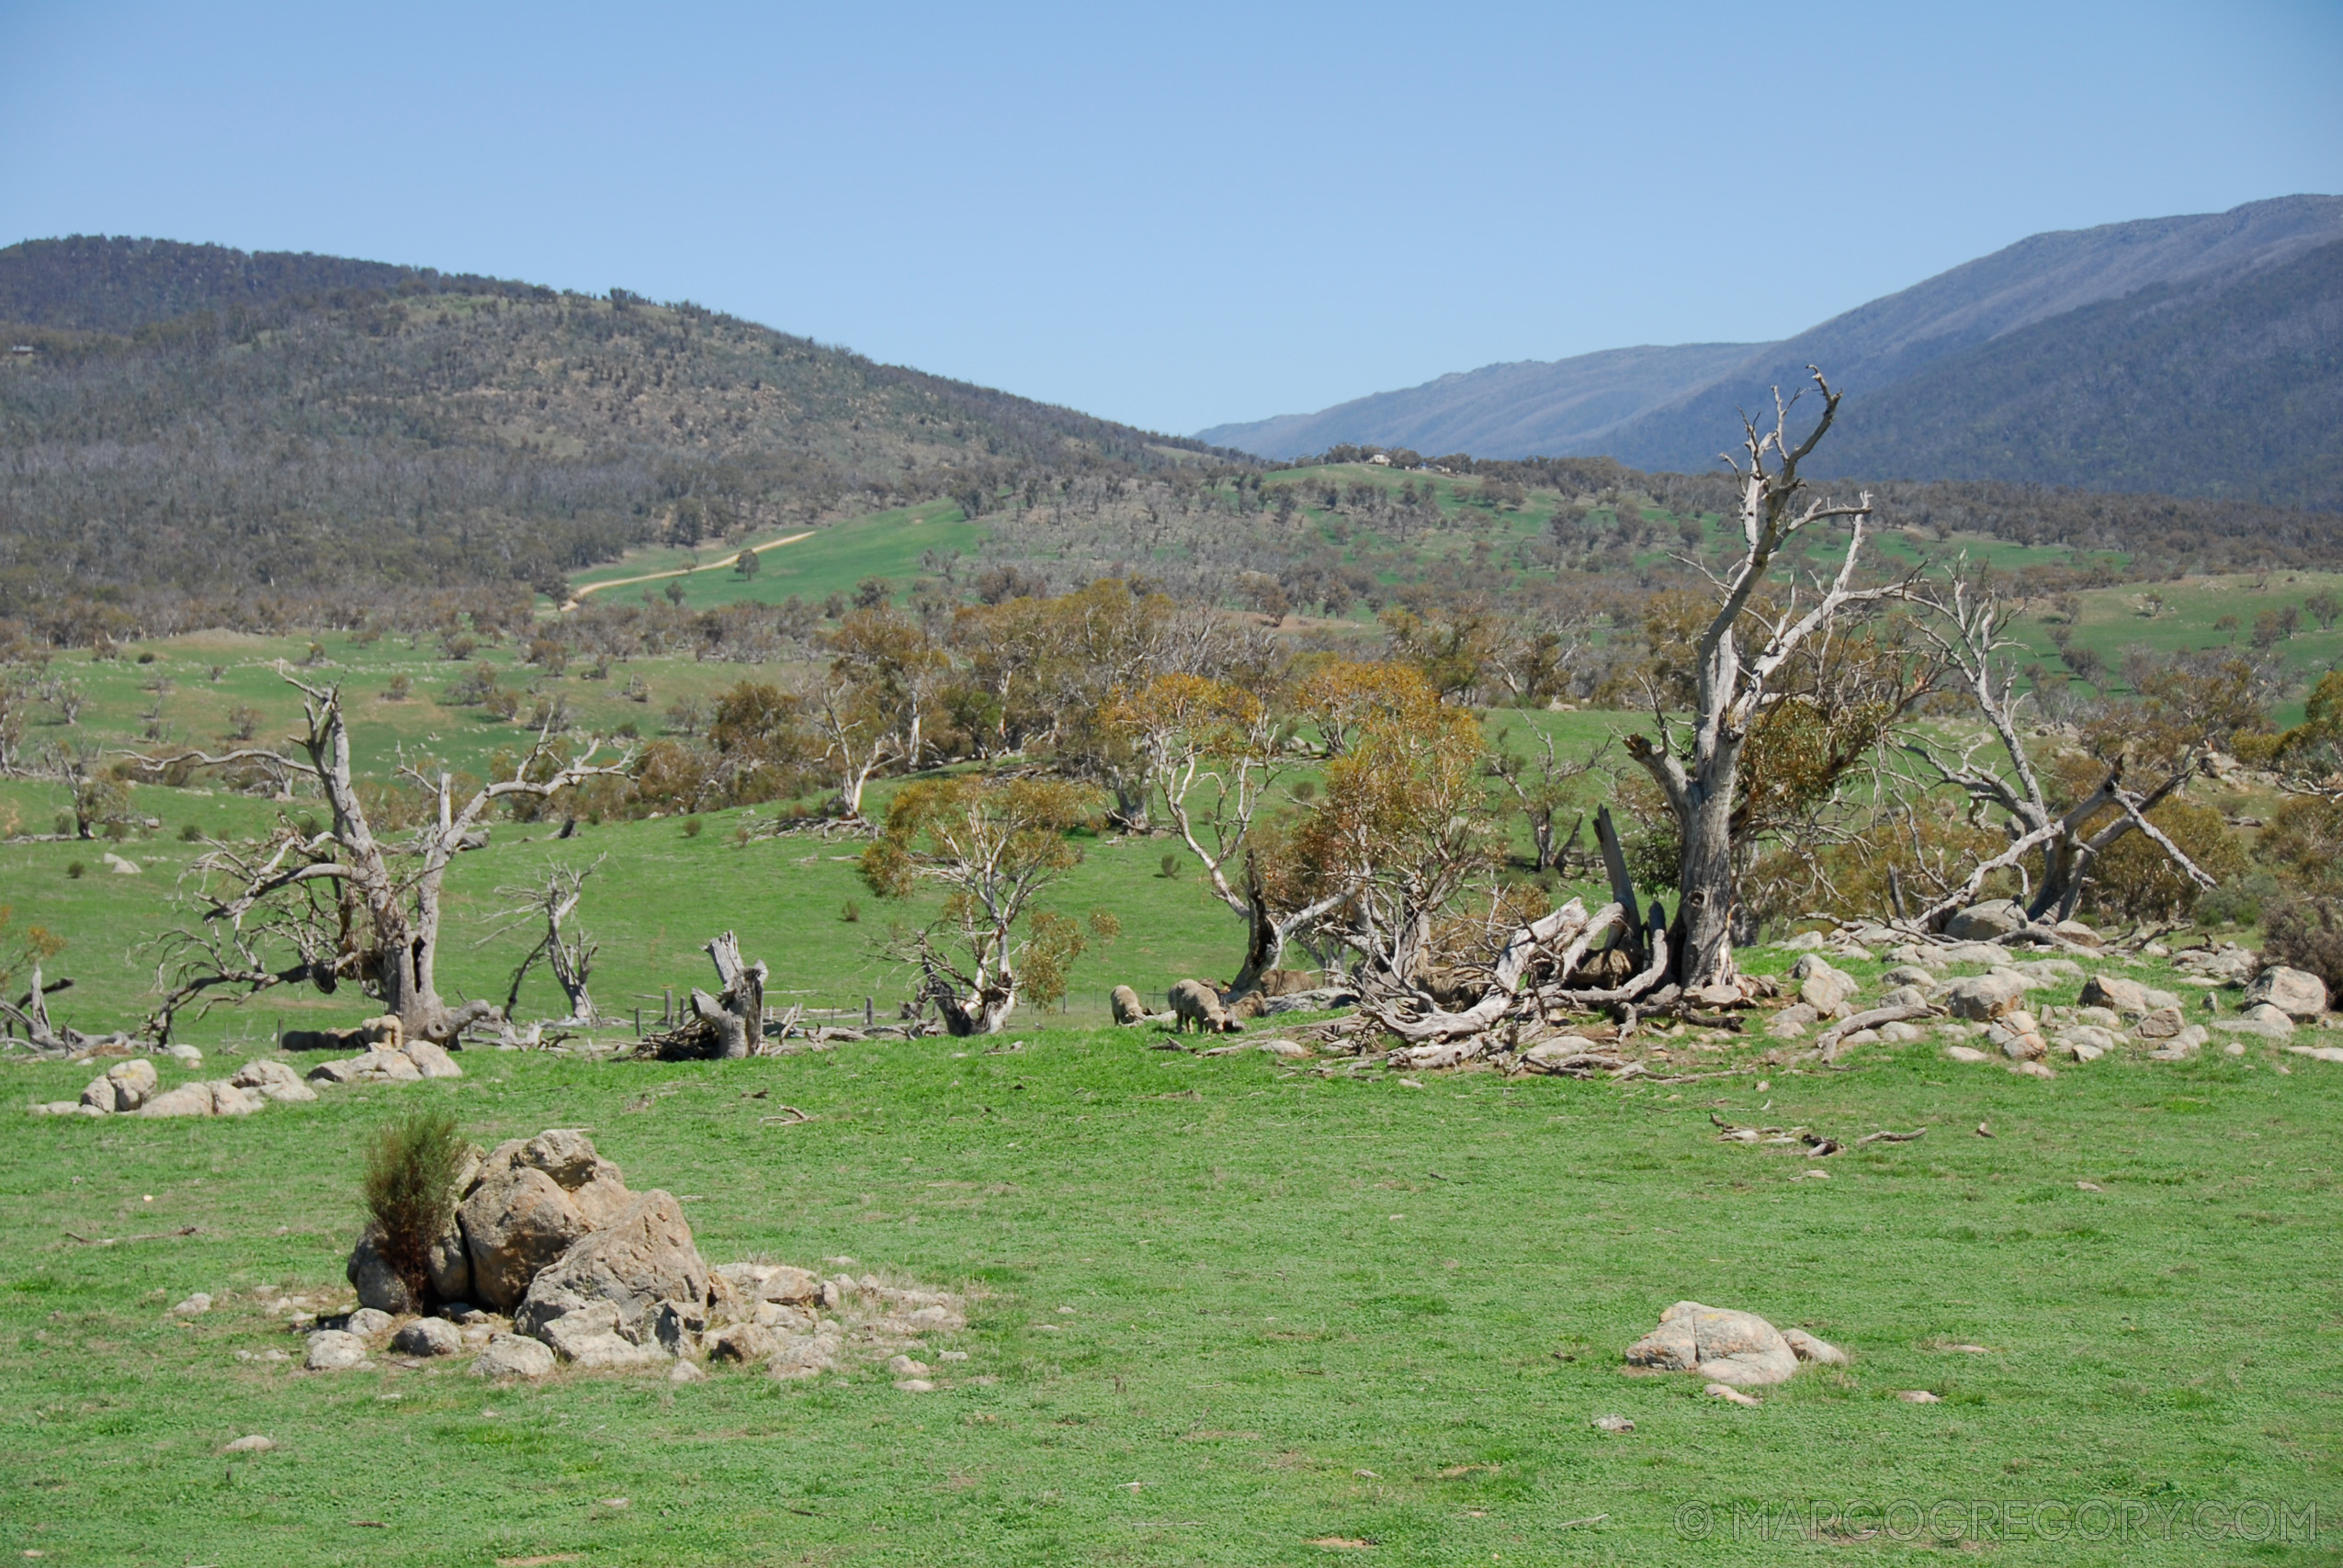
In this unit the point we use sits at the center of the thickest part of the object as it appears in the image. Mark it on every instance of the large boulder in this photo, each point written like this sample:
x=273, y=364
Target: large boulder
x=1983, y=922
x=428, y=1337
x=431, y=1060
x=1986, y=996
x=386, y=1066
x=516, y=1222
x=274, y=1080
x=642, y=1257
x=187, y=1099
x=2122, y=996
x=589, y=1336
x=2297, y=993
x=1737, y=1348
x=135, y=1082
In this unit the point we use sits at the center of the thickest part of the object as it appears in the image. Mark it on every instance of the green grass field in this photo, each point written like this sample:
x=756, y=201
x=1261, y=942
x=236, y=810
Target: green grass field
x=1304, y=1311
x=1314, y=1318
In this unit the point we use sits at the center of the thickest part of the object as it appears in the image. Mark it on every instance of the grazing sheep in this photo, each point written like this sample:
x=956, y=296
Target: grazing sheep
x=1195, y=1002
x=1127, y=1007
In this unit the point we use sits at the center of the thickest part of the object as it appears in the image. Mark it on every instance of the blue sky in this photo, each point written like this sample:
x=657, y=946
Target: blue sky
x=1173, y=216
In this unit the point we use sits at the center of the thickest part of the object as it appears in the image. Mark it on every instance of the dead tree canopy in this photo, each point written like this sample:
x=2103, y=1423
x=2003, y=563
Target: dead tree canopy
x=337, y=905
x=2060, y=845
x=1738, y=667
x=568, y=955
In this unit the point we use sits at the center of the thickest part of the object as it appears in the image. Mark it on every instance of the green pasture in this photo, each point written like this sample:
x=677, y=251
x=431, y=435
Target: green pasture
x=1231, y=1314
x=833, y=559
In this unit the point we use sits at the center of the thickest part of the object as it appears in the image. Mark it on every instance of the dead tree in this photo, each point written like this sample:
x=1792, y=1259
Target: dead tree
x=1970, y=632
x=1542, y=787
x=334, y=904
x=570, y=957
x=1209, y=751
x=1696, y=763
x=725, y=1027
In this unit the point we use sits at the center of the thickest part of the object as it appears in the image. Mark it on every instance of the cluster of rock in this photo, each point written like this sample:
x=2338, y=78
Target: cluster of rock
x=551, y=1260
x=133, y=1087
x=1737, y=1349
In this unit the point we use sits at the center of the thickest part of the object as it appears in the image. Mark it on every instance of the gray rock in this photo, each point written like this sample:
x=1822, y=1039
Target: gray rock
x=589, y=1336
x=64, y=1108
x=187, y=1099
x=226, y=1099
x=378, y=1284
x=449, y=1265
x=428, y=1337
x=385, y=1066
x=2162, y=1024
x=684, y=1371
x=676, y=1326
x=2045, y=972
x=341, y=1070
x=254, y=1444
x=186, y=1055
x=1792, y=1021
x=1737, y=1348
x=1965, y=1054
x=2098, y=1016
x=517, y=1221
x=2117, y=994
x=1911, y=975
x=743, y=1342
x=431, y=1060
x=195, y=1306
x=1986, y=953
x=1612, y=1424
x=1805, y=942
x=513, y=1356
x=2297, y=993
x=642, y=1257
x=103, y=1096
x=1902, y=1034
x=1986, y=996
x=333, y=1350
x=272, y=1079
x=1904, y=996
x=368, y=1322
x=1982, y=922
x=1820, y=987
x=2080, y=933
x=1806, y=1348
x=135, y=1083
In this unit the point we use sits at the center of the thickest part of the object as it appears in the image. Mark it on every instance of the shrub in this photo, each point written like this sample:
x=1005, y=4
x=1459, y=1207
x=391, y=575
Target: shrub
x=410, y=1190
x=1170, y=867
x=691, y=827
x=851, y=912
x=75, y=869
x=190, y=832
x=2240, y=902
x=2307, y=933
x=2135, y=879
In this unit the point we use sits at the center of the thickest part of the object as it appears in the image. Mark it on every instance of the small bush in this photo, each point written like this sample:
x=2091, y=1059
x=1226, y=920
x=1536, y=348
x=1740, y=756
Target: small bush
x=851, y=912
x=75, y=870
x=146, y=655
x=399, y=689
x=692, y=826
x=2238, y=903
x=2307, y=933
x=410, y=1188
x=190, y=833
x=1171, y=867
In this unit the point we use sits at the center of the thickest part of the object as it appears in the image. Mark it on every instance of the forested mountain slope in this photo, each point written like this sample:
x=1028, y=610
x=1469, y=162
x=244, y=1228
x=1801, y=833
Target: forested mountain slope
x=196, y=422
x=2191, y=355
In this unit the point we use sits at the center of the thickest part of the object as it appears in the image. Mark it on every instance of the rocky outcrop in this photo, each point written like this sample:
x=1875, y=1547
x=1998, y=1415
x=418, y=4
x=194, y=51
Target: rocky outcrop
x=378, y=1284
x=1739, y=1349
x=1986, y=996
x=643, y=1256
x=516, y=1221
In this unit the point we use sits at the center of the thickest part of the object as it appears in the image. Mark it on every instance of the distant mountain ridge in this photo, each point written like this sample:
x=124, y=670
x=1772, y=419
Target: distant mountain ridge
x=1954, y=333
x=1528, y=406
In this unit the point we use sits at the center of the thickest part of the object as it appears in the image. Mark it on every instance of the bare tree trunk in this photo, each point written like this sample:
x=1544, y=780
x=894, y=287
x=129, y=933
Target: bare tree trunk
x=737, y=1016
